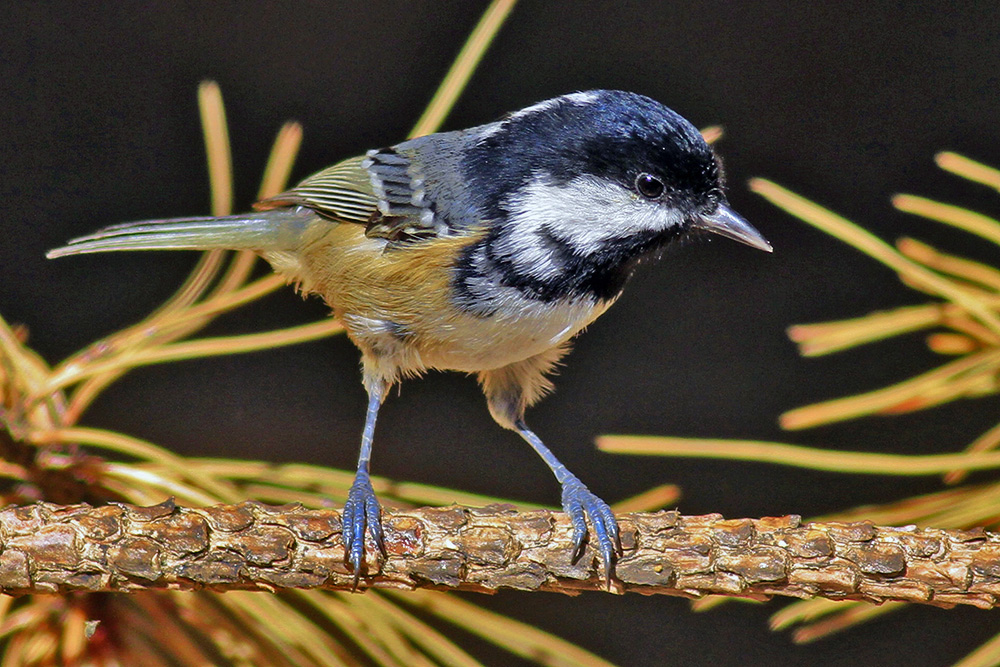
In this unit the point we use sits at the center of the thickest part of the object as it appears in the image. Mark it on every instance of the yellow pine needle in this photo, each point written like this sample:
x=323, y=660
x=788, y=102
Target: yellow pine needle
x=236, y=639
x=384, y=613
x=278, y=619
x=276, y=173
x=712, y=134
x=13, y=653
x=960, y=267
x=85, y=394
x=40, y=648
x=656, y=498
x=969, y=386
x=461, y=70
x=984, y=443
x=143, y=650
x=852, y=615
x=980, y=509
x=102, y=373
x=290, y=476
x=951, y=344
x=141, y=496
x=194, y=287
x=906, y=395
x=918, y=510
x=22, y=369
x=710, y=602
x=826, y=337
x=29, y=616
x=519, y=638
x=218, y=346
x=182, y=641
x=6, y=602
x=874, y=247
x=806, y=611
x=81, y=365
x=14, y=472
x=987, y=655
x=278, y=495
x=975, y=223
x=237, y=272
x=152, y=484
x=392, y=637
x=971, y=291
x=967, y=168
x=224, y=302
x=280, y=161
x=333, y=484
x=367, y=635
x=794, y=455
x=141, y=449
x=216, y=135
x=961, y=322
x=401, y=643
x=425, y=494
x=247, y=629
x=220, y=177
x=317, y=486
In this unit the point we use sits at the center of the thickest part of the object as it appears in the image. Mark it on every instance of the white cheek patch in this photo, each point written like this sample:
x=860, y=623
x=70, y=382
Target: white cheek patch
x=529, y=252
x=586, y=214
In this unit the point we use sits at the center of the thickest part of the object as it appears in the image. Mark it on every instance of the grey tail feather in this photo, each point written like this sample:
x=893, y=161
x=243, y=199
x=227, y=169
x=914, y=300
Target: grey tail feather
x=278, y=229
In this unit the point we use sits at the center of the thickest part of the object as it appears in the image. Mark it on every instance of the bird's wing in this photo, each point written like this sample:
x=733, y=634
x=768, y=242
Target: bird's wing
x=380, y=190
x=343, y=192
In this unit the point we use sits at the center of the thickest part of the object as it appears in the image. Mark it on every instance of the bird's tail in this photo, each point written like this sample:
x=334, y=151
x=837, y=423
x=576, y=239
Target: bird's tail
x=263, y=231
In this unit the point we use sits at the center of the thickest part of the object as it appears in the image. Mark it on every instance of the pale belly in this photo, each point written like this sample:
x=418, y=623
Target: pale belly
x=477, y=343
x=465, y=342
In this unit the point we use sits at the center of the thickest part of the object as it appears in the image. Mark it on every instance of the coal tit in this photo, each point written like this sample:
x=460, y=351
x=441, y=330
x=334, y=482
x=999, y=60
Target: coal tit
x=483, y=250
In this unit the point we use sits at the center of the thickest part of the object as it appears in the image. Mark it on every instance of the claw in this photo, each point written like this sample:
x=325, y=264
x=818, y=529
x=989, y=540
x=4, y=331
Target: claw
x=361, y=512
x=580, y=504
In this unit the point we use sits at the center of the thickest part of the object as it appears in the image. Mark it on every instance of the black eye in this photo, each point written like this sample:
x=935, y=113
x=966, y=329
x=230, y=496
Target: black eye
x=649, y=186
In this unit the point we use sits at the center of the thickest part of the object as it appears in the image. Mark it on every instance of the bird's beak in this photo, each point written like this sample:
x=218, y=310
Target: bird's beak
x=725, y=222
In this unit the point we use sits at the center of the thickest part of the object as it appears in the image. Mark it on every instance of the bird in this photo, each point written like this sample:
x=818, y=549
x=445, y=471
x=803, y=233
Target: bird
x=484, y=251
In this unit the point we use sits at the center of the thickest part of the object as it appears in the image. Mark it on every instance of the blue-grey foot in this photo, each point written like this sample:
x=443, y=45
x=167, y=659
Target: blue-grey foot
x=361, y=512
x=580, y=504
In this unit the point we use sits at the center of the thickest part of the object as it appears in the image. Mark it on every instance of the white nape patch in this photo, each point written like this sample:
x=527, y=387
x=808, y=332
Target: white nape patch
x=579, y=99
x=586, y=213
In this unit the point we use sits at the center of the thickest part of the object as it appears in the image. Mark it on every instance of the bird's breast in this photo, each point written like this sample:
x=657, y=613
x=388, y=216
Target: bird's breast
x=400, y=304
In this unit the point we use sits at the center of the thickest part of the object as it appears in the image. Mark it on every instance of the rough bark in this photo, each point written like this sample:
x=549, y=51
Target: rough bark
x=50, y=548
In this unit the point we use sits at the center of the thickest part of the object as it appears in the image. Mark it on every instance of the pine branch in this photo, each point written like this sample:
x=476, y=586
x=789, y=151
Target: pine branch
x=49, y=548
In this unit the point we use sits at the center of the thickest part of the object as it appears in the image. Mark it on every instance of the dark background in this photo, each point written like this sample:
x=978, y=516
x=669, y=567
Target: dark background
x=843, y=102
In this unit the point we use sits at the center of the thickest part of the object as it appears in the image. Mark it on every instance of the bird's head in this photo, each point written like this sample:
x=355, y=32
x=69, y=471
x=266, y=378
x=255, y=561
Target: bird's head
x=600, y=166
x=578, y=187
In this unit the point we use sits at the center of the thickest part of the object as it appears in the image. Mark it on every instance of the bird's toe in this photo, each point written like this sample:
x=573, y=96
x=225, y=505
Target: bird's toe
x=362, y=513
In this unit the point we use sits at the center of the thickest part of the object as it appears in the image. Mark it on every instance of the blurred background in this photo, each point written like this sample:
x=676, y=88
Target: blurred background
x=844, y=103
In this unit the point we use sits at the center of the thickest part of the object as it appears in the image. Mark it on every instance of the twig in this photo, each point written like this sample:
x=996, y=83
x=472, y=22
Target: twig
x=49, y=548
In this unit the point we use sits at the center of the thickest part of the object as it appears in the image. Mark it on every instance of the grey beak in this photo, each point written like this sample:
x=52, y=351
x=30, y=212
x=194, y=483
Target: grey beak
x=725, y=222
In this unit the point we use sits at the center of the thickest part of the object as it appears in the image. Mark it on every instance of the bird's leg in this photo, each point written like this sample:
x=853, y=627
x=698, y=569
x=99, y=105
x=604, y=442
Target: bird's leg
x=509, y=391
x=362, y=510
x=579, y=503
